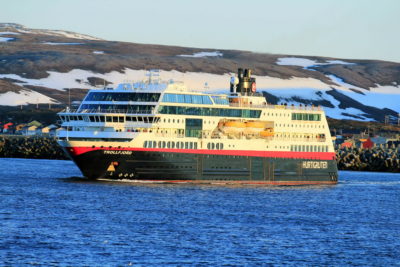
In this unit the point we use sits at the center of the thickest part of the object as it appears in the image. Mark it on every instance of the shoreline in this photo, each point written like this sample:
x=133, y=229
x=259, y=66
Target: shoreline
x=377, y=159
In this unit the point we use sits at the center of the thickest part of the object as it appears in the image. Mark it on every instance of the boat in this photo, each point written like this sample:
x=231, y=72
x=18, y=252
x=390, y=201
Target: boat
x=154, y=131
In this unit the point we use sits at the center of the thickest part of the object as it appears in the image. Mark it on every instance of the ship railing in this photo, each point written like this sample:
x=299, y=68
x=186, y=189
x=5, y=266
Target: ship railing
x=269, y=106
x=120, y=111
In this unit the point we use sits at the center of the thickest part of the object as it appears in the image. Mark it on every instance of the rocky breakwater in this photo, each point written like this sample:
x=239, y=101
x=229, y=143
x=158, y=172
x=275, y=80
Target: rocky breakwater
x=380, y=159
x=34, y=147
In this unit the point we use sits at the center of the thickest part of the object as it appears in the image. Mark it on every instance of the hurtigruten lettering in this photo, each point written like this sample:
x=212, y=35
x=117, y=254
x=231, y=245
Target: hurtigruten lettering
x=315, y=164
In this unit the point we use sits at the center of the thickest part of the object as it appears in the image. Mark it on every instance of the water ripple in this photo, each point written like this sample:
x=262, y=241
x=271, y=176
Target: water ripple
x=50, y=216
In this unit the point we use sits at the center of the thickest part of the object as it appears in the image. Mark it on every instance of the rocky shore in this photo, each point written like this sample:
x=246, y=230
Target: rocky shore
x=35, y=147
x=381, y=159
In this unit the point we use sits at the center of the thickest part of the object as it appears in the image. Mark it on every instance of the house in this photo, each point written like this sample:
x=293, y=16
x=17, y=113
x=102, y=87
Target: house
x=48, y=130
x=29, y=130
x=19, y=127
x=368, y=144
x=347, y=143
x=8, y=127
x=379, y=140
x=34, y=123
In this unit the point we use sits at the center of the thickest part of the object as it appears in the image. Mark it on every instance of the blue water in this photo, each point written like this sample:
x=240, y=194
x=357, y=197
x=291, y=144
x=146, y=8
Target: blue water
x=48, y=218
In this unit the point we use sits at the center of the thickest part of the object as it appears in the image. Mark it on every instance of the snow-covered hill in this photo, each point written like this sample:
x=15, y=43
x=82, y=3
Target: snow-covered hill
x=35, y=62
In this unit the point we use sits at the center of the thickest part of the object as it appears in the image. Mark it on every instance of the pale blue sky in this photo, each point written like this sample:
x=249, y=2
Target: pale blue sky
x=364, y=29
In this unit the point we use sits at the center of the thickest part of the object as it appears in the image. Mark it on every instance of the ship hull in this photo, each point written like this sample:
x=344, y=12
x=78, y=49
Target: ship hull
x=166, y=166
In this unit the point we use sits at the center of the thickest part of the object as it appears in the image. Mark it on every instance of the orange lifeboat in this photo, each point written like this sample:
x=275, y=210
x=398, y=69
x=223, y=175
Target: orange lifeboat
x=267, y=133
x=255, y=124
x=236, y=124
x=253, y=127
x=233, y=127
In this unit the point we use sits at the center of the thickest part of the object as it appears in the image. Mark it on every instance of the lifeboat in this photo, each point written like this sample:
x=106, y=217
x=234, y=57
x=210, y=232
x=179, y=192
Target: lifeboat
x=267, y=133
x=237, y=124
x=254, y=126
x=233, y=127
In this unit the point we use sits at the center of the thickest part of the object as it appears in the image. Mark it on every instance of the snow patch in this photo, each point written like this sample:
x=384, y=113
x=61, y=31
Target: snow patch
x=98, y=52
x=52, y=43
x=295, y=61
x=24, y=97
x=386, y=89
x=6, y=39
x=204, y=54
x=306, y=63
x=9, y=33
x=69, y=34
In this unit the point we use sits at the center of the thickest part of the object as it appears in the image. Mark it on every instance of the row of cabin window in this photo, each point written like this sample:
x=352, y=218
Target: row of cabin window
x=170, y=144
x=308, y=148
x=114, y=119
x=306, y=117
x=299, y=125
x=219, y=112
x=180, y=145
x=298, y=135
x=215, y=146
x=189, y=99
x=141, y=109
x=124, y=96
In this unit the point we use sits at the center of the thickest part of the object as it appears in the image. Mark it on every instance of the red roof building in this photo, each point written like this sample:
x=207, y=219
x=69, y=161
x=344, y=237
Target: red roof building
x=368, y=144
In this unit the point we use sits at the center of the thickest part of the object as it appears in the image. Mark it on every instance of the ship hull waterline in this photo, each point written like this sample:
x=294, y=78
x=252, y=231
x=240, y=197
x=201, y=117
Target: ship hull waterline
x=164, y=166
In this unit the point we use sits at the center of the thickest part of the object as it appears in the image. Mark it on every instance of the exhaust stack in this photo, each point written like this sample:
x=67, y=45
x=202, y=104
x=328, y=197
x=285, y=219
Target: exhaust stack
x=244, y=84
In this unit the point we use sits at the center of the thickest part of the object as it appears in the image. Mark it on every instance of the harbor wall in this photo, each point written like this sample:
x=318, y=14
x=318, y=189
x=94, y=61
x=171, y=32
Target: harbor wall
x=35, y=147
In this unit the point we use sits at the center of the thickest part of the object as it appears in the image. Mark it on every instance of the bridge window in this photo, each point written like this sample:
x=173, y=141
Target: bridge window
x=123, y=96
x=185, y=98
x=220, y=100
x=105, y=108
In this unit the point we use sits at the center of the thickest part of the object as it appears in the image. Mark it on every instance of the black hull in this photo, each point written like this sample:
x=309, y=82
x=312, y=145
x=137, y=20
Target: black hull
x=189, y=167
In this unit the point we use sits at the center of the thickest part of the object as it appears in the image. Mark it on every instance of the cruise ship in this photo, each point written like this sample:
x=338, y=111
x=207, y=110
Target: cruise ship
x=155, y=131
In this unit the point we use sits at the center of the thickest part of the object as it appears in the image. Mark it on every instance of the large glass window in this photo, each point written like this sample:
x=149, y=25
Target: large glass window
x=306, y=116
x=139, y=109
x=220, y=100
x=218, y=112
x=126, y=96
x=185, y=98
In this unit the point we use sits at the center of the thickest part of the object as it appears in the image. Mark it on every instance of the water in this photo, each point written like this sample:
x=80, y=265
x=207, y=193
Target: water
x=48, y=218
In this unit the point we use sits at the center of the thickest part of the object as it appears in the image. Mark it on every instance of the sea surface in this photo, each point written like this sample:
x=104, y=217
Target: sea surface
x=50, y=218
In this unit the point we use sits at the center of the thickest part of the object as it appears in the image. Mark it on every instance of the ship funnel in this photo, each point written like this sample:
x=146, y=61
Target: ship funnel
x=246, y=85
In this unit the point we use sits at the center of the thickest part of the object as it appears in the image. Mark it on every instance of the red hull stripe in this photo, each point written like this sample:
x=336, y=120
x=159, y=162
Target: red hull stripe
x=75, y=151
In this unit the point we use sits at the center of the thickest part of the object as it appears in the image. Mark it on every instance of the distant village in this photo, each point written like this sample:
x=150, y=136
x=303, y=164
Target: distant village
x=33, y=128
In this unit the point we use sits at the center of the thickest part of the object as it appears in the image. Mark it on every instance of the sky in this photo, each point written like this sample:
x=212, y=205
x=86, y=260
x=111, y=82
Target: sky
x=348, y=29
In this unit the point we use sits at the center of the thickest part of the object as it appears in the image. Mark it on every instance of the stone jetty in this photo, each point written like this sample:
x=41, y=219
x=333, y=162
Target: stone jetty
x=35, y=147
x=380, y=159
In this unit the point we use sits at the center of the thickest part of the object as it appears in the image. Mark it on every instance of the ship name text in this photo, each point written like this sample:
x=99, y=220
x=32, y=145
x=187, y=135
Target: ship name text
x=112, y=152
x=315, y=164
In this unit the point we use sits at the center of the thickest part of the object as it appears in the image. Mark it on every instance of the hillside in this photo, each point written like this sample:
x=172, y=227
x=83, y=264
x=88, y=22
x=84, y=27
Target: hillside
x=46, y=66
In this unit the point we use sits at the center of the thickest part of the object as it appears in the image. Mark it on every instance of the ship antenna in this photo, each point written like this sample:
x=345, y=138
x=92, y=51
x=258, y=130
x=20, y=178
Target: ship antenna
x=154, y=76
